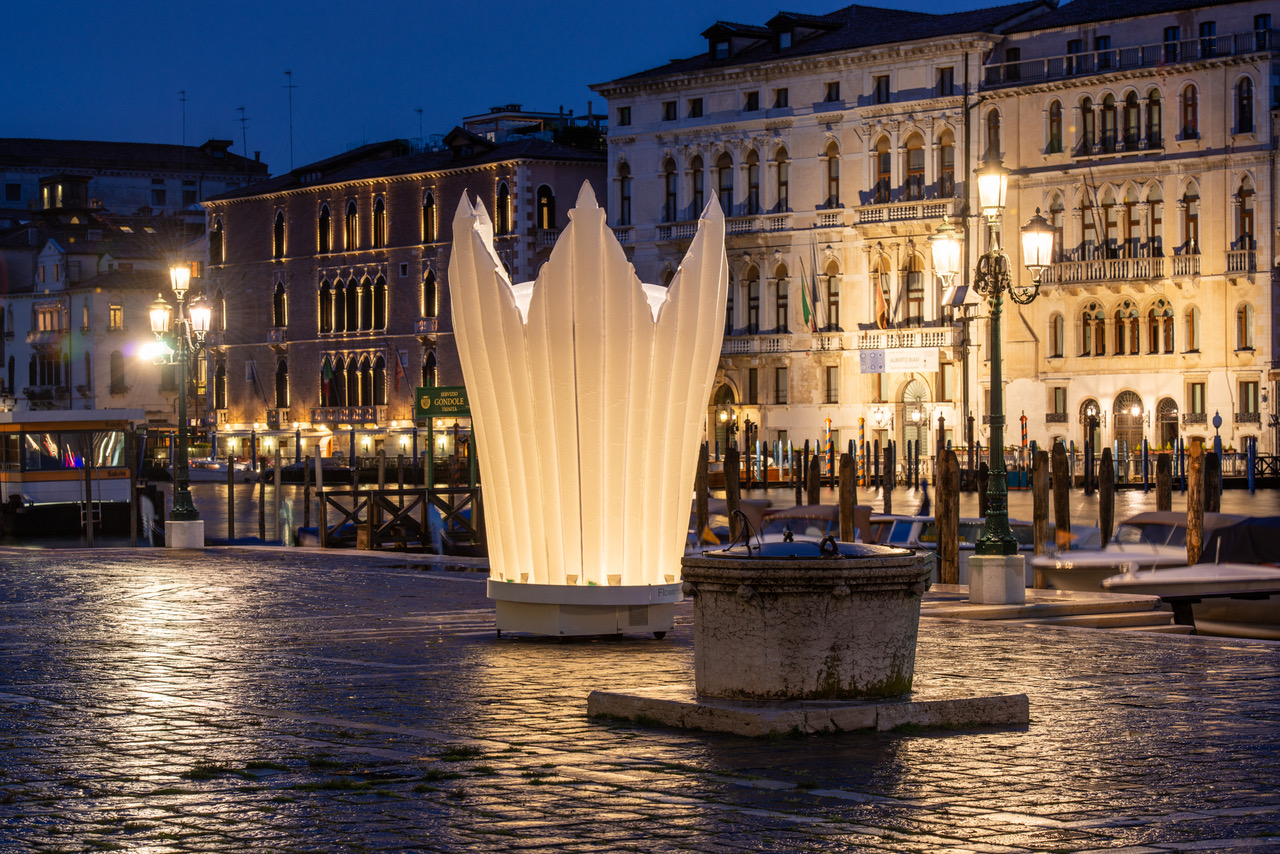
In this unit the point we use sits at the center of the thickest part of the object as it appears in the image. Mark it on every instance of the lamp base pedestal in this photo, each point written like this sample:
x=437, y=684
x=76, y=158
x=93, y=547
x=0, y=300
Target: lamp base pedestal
x=184, y=535
x=997, y=579
x=571, y=610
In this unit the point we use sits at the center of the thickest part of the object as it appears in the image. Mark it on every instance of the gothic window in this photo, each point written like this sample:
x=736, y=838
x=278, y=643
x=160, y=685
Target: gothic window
x=277, y=241
x=884, y=171
x=1244, y=106
x=350, y=226
x=1154, y=131
x=282, y=384
x=353, y=306
x=278, y=316
x=430, y=298
x=697, y=178
x=429, y=230
x=429, y=370
x=380, y=303
x=1190, y=113
x=1055, y=128
x=366, y=305
x=833, y=175
x=379, y=224
x=324, y=231
x=784, y=181
x=326, y=307
x=915, y=168
x=380, y=381
x=220, y=385
x=502, y=211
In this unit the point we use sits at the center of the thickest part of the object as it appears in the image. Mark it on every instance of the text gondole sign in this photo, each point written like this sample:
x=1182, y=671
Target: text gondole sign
x=441, y=400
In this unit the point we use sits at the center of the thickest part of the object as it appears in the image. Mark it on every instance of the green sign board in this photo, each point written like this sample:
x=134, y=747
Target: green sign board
x=439, y=401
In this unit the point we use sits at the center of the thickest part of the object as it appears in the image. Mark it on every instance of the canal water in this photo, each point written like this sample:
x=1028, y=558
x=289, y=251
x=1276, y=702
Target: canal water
x=211, y=501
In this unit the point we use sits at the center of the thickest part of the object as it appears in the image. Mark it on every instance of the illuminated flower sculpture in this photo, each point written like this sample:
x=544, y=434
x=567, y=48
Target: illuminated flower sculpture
x=588, y=390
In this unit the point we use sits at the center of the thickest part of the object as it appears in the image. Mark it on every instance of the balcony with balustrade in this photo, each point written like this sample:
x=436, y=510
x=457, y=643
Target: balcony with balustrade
x=1082, y=270
x=1021, y=72
x=922, y=209
x=741, y=345
x=936, y=336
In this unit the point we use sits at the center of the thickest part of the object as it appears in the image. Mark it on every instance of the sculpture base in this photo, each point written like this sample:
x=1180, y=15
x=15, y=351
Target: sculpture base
x=997, y=579
x=570, y=610
x=184, y=535
x=936, y=708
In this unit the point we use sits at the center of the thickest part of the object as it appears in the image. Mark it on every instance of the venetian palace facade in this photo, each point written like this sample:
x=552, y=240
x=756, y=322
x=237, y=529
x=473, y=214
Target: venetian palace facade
x=838, y=145
x=330, y=291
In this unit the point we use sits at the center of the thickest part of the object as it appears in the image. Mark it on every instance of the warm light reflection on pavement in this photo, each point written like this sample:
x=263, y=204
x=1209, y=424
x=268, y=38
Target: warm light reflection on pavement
x=291, y=701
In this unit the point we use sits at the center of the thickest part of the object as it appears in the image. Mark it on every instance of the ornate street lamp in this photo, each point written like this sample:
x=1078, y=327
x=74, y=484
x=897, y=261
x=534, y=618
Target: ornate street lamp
x=183, y=332
x=993, y=280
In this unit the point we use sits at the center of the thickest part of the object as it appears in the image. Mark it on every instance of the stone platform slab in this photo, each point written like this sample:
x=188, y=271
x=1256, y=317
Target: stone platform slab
x=679, y=706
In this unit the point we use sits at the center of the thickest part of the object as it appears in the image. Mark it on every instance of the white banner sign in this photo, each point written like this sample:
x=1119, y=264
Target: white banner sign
x=903, y=361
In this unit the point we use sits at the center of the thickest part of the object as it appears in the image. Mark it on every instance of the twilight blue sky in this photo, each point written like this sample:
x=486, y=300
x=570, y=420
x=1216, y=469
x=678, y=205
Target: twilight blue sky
x=112, y=71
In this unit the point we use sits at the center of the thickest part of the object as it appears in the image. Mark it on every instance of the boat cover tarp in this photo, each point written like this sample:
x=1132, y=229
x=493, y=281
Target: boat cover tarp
x=1254, y=540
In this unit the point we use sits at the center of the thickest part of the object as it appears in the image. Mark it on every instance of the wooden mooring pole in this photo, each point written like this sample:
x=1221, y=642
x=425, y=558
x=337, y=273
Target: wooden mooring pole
x=948, y=517
x=1195, y=502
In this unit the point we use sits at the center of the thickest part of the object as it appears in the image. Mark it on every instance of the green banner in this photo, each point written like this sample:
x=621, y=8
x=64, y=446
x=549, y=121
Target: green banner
x=439, y=401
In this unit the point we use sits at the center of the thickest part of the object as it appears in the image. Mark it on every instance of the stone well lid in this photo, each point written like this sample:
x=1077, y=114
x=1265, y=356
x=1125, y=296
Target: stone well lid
x=807, y=550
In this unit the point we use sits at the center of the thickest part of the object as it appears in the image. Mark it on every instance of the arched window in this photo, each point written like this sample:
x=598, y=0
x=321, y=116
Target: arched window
x=429, y=219
x=1109, y=123
x=1092, y=331
x=1055, y=128
x=833, y=297
x=339, y=306
x=326, y=307
x=1057, y=219
x=1057, y=329
x=430, y=299
x=379, y=224
x=697, y=190
x=670, y=194
x=915, y=168
x=1155, y=222
x=366, y=305
x=1153, y=330
x=753, y=301
x=913, y=276
x=724, y=182
x=1155, y=134
x=380, y=303
x=946, y=165
x=784, y=181
x=117, y=373
x=1192, y=323
x=220, y=385
x=380, y=381
x=502, y=211
x=1121, y=332
x=277, y=236
x=366, y=382
x=993, y=134
x=1190, y=113
x=350, y=228
x=353, y=306
x=1087, y=129
x=1168, y=330
x=327, y=383
x=753, y=183
x=546, y=208
x=884, y=171
x=1244, y=105
x=1244, y=327
x=1244, y=216
x=339, y=382
x=429, y=370
x=833, y=175
x=1160, y=328
x=324, y=231
x=1132, y=122
x=279, y=317
x=216, y=245
x=1191, y=221
x=282, y=384
x=353, y=383
x=782, y=301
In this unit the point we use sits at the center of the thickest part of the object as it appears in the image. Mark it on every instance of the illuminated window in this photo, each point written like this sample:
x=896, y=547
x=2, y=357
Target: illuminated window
x=115, y=318
x=947, y=166
x=833, y=298
x=366, y=305
x=915, y=168
x=884, y=171
x=430, y=299
x=502, y=224
x=429, y=219
x=350, y=232
x=380, y=381
x=324, y=232
x=833, y=175
x=282, y=384
x=278, y=317
x=326, y=307
x=546, y=208
x=380, y=303
x=379, y=224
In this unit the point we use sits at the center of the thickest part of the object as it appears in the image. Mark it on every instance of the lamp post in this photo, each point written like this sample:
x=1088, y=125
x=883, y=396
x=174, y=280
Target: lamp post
x=184, y=330
x=994, y=280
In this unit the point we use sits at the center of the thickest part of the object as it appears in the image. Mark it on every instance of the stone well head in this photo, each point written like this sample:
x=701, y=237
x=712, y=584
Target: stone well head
x=794, y=621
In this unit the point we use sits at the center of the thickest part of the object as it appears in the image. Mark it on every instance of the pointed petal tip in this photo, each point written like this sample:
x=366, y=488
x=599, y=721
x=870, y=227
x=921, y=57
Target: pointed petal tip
x=586, y=197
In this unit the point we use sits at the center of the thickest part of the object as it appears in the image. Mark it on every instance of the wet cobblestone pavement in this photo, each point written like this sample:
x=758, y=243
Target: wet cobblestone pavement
x=288, y=701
